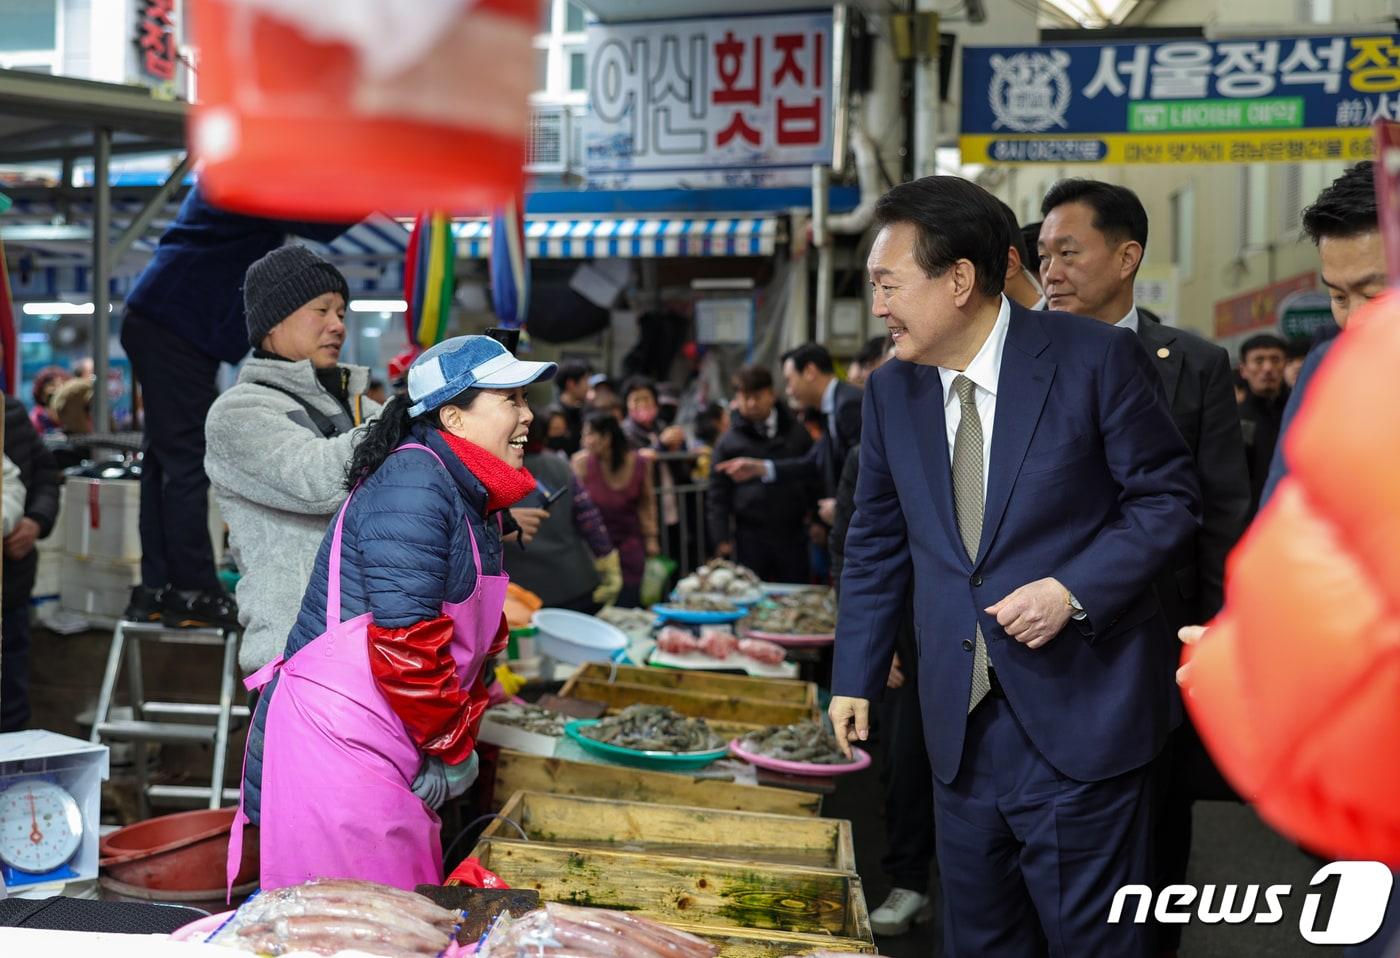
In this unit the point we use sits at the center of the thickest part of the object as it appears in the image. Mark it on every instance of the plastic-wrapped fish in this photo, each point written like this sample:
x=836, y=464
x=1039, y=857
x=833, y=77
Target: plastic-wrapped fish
x=333, y=915
x=565, y=931
x=802, y=742
x=654, y=728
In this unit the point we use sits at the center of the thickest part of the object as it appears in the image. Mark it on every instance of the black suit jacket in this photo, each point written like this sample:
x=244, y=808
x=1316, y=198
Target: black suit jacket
x=824, y=461
x=1196, y=378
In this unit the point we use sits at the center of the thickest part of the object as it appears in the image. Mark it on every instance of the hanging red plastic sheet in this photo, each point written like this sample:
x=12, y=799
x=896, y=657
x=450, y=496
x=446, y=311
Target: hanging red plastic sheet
x=330, y=109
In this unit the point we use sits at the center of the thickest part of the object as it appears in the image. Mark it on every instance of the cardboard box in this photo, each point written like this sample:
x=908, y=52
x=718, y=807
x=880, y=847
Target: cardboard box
x=97, y=587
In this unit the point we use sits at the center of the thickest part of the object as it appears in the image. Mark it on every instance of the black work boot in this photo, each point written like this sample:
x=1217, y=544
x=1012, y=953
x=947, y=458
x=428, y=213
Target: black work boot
x=199, y=609
x=146, y=604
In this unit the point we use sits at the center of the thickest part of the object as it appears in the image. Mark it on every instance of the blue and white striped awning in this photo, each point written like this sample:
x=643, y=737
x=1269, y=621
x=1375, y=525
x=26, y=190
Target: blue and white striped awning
x=587, y=238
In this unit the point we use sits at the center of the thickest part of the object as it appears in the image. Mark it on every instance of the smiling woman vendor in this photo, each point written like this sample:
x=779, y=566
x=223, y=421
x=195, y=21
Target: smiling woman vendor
x=369, y=718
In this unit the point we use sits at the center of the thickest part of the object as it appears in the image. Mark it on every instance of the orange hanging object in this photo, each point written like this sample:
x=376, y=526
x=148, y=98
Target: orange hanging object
x=292, y=122
x=1295, y=689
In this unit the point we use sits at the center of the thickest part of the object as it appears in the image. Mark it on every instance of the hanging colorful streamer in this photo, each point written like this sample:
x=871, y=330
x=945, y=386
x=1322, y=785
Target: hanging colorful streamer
x=429, y=279
x=510, y=270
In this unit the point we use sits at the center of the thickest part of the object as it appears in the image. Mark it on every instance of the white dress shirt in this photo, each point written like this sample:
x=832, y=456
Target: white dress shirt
x=828, y=411
x=1131, y=320
x=985, y=372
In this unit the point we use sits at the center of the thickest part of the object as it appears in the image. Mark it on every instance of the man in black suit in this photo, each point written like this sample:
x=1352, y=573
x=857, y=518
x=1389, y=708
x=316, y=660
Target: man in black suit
x=1091, y=244
x=810, y=379
x=758, y=525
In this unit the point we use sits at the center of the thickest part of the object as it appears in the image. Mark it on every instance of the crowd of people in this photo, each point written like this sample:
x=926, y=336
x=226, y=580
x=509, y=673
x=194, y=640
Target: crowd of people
x=1021, y=492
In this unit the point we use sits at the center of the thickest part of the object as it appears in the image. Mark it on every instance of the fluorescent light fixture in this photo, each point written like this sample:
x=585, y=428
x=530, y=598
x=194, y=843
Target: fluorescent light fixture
x=58, y=309
x=378, y=306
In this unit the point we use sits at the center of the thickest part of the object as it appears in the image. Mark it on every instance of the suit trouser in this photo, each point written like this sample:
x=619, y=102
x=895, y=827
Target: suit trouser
x=177, y=388
x=773, y=556
x=908, y=798
x=1186, y=774
x=1029, y=859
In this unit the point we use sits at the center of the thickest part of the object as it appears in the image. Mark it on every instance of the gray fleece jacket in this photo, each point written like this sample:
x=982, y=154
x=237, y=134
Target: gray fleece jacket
x=278, y=483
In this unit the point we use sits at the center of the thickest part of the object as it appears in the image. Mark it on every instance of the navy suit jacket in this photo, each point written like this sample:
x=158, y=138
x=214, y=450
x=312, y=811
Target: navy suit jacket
x=1089, y=482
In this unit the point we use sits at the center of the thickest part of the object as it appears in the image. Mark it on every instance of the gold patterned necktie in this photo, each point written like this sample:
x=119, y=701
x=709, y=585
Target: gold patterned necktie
x=969, y=499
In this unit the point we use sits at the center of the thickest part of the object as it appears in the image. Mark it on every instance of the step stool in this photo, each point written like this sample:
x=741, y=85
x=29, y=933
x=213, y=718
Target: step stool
x=170, y=721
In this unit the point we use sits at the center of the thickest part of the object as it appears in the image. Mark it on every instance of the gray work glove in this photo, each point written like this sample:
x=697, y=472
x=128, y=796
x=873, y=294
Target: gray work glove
x=461, y=775
x=431, y=783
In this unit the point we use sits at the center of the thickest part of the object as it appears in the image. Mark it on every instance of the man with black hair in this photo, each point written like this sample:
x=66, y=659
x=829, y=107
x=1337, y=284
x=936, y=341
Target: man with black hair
x=1021, y=286
x=1092, y=242
x=867, y=360
x=1261, y=414
x=1345, y=227
x=572, y=381
x=1020, y=471
x=761, y=525
x=809, y=379
x=1295, y=354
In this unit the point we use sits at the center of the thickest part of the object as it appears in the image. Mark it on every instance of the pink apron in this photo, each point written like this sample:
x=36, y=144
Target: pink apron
x=338, y=762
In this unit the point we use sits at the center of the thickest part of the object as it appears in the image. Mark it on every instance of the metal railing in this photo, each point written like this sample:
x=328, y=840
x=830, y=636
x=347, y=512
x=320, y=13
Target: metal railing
x=681, y=497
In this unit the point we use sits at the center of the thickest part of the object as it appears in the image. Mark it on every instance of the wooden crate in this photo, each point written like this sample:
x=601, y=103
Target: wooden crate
x=712, y=897
x=790, y=691
x=577, y=822
x=516, y=771
x=706, y=705
x=746, y=943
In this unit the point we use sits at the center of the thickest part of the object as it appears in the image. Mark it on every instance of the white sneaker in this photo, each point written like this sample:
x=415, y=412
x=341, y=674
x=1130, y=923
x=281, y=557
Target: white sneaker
x=901, y=909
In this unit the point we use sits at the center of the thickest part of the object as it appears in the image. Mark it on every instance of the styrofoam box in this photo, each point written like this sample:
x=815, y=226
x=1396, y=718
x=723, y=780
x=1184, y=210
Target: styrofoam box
x=100, y=519
x=515, y=738
x=79, y=767
x=97, y=586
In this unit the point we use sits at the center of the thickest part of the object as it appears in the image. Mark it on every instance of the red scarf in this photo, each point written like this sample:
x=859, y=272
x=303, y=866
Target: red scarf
x=505, y=485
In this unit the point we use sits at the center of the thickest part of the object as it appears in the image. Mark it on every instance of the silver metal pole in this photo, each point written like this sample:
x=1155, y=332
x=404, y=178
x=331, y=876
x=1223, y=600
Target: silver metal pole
x=821, y=183
x=101, y=273
x=138, y=226
x=841, y=85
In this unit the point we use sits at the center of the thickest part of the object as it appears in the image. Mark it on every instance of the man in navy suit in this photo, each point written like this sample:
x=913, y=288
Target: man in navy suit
x=1022, y=472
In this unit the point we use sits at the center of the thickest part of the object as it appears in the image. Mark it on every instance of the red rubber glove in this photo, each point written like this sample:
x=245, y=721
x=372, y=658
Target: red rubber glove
x=415, y=670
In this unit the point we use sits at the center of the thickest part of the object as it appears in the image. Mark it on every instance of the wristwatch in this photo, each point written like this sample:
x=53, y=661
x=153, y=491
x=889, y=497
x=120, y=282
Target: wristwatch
x=1077, y=611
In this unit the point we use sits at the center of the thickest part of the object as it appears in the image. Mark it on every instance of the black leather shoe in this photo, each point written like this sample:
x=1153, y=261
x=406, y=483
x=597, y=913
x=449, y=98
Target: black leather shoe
x=146, y=604
x=207, y=609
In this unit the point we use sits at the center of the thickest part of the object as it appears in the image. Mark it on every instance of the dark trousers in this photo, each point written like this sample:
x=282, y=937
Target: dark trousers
x=908, y=792
x=1186, y=774
x=1028, y=859
x=14, y=668
x=177, y=388
x=773, y=556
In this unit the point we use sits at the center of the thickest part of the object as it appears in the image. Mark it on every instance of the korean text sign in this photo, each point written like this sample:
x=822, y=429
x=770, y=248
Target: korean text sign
x=739, y=101
x=1284, y=99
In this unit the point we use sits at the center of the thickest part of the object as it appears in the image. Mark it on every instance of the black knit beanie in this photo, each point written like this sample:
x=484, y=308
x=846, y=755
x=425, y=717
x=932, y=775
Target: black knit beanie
x=281, y=283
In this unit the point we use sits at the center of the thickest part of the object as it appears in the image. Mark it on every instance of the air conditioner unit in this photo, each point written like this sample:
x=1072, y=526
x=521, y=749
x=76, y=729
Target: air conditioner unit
x=550, y=135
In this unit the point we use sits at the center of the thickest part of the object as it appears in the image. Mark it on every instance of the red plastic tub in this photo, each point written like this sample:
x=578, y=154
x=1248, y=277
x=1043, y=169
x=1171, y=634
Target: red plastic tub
x=184, y=852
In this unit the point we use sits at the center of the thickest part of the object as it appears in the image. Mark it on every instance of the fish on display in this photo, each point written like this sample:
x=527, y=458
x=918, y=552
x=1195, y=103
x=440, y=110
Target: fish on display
x=802, y=742
x=811, y=612
x=531, y=718
x=654, y=728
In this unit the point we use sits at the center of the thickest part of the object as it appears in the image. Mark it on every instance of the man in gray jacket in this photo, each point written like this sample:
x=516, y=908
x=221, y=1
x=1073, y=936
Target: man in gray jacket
x=278, y=441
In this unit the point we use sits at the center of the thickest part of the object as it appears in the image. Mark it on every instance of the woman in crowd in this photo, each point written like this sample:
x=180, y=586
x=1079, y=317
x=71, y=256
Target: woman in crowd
x=618, y=480
x=46, y=383
x=571, y=562
x=368, y=720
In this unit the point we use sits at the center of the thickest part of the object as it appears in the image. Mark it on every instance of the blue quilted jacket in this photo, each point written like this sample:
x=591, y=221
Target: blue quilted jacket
x=405, y=551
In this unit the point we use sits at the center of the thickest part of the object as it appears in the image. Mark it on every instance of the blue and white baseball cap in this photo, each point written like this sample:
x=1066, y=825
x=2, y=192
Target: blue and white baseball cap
x=464, y=362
